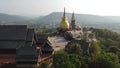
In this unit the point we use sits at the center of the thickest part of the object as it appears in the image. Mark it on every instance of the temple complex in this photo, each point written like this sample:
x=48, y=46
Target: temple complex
x=69, y=31
x=72, y=31
x=22, y=47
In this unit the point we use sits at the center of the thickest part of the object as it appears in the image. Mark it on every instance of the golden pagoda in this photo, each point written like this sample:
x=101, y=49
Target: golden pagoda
x=64, y=23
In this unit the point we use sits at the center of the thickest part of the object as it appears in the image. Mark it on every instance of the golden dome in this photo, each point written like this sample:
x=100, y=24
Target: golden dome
x=64, y=23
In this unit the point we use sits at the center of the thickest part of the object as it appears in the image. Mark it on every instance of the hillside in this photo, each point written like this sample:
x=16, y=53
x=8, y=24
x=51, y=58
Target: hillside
x=115, y=18
x=55, y=17
x=85, y=20
x=6, y=17
x=13, y=19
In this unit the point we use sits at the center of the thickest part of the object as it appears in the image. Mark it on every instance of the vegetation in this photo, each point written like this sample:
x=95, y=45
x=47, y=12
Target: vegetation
x=107, y=38
x=105, y=53
x=94, y=49
x=107, y=60
x=74, y=48
x=65, y=60
x=43, y=65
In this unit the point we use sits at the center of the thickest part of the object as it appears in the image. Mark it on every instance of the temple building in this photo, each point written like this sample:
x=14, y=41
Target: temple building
x=45, y=44
x=69, y=31
x=27, y=56
x=72, y=31
x=20, y=47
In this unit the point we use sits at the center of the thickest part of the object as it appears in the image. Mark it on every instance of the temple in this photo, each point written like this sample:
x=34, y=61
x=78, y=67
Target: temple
x=73, y=31
x=69, y=31
x=20, y=47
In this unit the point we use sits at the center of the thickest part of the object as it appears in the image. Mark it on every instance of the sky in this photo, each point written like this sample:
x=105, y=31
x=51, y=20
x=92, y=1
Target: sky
x=45, y=7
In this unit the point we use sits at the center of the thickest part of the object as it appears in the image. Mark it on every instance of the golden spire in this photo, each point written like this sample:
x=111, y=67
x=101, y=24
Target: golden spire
x=64, y=23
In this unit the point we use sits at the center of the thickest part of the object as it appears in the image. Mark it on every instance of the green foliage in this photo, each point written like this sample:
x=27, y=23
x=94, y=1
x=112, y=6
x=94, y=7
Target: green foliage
x=107, y=37
x=64, y=60
x=84, y=65
x=73, y=48
x=75, y=59
x=60, y=60
x=46, y=31
x=43, y=64
x=108, y=60
x=104, y=33
x=94, y=49
x=102, y=54
x=114, y=50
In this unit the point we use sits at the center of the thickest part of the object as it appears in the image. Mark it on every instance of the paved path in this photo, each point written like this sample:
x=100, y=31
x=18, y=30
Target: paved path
x=58, y=42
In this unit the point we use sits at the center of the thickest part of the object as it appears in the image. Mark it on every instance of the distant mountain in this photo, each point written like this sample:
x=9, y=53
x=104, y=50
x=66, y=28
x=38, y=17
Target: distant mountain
x=114, y=18
x=13, y=18
x=85, y=20
x=55, y=17
x=39, y=17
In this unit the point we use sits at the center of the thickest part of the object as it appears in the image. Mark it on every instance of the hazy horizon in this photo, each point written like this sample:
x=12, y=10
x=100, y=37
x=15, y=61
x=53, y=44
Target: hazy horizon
x=45, y=7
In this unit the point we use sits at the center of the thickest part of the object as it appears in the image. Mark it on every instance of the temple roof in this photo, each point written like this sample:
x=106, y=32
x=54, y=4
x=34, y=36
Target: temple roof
x=13, y=32
x=30, y=35
x=27, y=54
x=26, y=50
x=42, y=39
x=47, y=47
x=15, y=36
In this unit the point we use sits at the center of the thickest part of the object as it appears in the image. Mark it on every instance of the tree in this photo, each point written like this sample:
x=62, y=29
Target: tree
x=107, y=37
x=73, y=48
x=65, y=60
x=114, y=49
x=43, y=64
x=94, y=49
x=107, y=60
x=76, y=60
x=60, y=60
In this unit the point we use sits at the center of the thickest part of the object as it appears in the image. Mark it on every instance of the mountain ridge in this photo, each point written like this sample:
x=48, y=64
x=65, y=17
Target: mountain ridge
x=13, y=18
x=55, y=18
